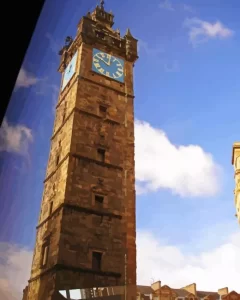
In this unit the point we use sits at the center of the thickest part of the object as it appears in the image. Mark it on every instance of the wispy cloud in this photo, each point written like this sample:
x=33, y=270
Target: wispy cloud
x=172, y=67
x=166, y=4
x=15, y=138
x=25, y=79
x=15, y=264
x=54, y=45
x=188, y=8
x=55, y=93
x=201, y=31
x=42, y=86
x=186, y=170
x=145, y=47
x=45, y=87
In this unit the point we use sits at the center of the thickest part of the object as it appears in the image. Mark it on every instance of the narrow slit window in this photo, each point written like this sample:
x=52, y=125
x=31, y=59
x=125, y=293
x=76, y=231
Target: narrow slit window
x=64, y=115
x=96, y=261
x=50, y=207
x=57, y=159
x=64, y=112
x=101, y=155
x=102, y=111
x=45, y=250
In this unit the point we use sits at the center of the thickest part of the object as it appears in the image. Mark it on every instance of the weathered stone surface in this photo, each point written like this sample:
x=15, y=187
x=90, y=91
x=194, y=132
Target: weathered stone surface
x=91, y=155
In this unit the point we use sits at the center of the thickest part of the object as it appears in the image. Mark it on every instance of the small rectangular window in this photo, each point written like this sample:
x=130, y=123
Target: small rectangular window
x=96, y=260
x=102, y=111
x=99, y=200
x=45, y=250
x=101, y=155
x=64, y=111
x=50, y=207
x=100, y=35
x=57, y=160
x=64, y=116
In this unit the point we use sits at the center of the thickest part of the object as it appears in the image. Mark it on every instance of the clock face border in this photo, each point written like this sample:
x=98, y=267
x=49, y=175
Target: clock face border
x=70, y=70
x=115, y=71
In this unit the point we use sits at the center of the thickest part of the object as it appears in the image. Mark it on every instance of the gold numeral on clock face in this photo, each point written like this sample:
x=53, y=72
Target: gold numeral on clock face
x=118, y=74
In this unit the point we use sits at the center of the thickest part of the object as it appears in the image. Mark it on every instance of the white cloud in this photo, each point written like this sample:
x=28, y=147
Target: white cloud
x=25, y=79
x=185, y=170
x=44, y=85
x=210, y=270
x=166, y=4
x=15, y=264
x=201, y=31
x=15, y=138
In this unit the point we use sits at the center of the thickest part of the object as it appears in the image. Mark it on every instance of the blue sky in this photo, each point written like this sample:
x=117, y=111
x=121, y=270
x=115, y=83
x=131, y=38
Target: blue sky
x=187, y=88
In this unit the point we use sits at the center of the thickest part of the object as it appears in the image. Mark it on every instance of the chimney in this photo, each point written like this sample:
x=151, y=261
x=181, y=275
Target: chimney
x=191, y=288
x=223, y=291
x=156, y=285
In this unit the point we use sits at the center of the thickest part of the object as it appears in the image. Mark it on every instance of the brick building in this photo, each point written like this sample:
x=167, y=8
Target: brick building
x=158, y=292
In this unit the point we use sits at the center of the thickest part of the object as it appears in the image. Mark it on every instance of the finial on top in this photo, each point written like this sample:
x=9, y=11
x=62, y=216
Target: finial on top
x=88, y=15
x=102, y=4
x=128, y=33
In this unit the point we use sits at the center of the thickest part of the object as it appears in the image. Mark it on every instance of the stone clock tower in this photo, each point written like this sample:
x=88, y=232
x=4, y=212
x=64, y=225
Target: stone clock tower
x=87, y=227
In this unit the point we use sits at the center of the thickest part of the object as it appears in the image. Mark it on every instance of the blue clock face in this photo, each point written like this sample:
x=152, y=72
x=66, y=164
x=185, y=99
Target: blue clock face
x=108, y=65
x=69, y=71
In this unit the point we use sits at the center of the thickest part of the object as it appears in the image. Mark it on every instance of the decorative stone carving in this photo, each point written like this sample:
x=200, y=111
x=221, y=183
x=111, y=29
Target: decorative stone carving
x=100, y=181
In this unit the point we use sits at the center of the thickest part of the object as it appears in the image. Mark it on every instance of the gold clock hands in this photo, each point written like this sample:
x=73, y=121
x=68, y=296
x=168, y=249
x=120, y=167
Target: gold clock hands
x=109, y=56
x=100, y=58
